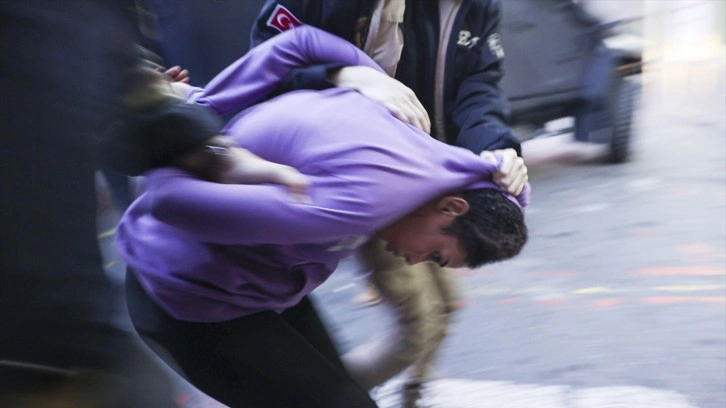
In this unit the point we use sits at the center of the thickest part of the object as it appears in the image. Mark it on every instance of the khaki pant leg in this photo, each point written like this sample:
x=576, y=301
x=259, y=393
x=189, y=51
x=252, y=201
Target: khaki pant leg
x=414, y=294
x=438, y=287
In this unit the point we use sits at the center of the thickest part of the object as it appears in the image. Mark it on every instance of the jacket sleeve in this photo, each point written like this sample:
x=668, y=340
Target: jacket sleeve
x=292, y=12
x=481, y=110
x=257, y=73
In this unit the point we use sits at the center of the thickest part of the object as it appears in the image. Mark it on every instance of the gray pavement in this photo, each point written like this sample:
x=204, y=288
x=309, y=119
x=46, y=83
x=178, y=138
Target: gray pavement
x=618, y=300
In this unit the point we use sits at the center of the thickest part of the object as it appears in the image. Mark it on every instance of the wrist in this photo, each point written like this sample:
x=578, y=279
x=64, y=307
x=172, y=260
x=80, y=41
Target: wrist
x=347, y=77
x=212, y=161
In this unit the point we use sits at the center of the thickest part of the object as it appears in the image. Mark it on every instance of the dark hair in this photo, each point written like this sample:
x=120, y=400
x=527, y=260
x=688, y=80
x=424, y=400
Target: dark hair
x=492, y=230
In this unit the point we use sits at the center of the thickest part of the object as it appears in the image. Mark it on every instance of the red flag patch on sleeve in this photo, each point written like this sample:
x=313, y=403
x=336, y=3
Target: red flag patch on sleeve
x=282, y=19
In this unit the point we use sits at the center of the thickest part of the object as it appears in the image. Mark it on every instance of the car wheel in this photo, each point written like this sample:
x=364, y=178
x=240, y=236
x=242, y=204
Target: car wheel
x=622, y=104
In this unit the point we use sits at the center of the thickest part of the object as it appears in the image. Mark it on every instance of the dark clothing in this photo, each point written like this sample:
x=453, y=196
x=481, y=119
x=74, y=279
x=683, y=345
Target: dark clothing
x=235, y=361
x=120, y=188
x=57, y=308
x=475, y=110
x=152, y=138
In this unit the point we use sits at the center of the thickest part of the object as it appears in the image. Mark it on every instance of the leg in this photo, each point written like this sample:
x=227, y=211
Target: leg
x=407, y=289
x=304, y=318
x=439, y=290
x=261, y=360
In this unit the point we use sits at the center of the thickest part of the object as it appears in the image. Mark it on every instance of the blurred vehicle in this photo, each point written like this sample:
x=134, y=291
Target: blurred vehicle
x=562, y=62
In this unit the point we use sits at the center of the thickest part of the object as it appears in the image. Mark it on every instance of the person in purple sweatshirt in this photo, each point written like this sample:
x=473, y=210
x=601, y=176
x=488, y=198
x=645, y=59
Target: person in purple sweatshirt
x=220, y=273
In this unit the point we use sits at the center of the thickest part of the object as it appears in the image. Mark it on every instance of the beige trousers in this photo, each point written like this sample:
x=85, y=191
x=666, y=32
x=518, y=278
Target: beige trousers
x=422, y=297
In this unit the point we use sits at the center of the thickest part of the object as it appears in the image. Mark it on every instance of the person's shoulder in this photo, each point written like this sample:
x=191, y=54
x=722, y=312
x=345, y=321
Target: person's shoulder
x=484, y=7
x=482, y=16
x=486, y=3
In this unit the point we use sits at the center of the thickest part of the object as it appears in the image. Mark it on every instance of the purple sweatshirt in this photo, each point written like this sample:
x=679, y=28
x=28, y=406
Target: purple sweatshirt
x=210, y=252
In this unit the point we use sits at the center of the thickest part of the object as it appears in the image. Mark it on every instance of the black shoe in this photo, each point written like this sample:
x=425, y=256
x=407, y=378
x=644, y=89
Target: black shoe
x=412, y=394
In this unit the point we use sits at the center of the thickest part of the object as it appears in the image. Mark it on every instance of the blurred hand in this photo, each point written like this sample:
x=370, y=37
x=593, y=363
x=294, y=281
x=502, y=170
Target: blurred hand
x=455, y=306
x=389, y=92
x=180, y=89
x=244, y=167
x=512, y=175
x=219, y=160
x=177, y=74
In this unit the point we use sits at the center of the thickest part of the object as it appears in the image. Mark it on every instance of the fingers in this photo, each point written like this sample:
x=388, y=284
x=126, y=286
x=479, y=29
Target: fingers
x=408, y=113
x=183, y=76
x=294, y=180
x=488, y=157
x=173, y=71
x=271, y=172
x=178, y=75
x=512, y=174
x=515, y=185
x=509, y=160
x=415, y=112
x=389, y=92
x=513, y=170
x=418, y=111
x=299, y=189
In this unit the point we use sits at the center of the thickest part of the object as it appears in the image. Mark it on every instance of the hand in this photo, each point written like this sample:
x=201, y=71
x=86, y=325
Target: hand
x=244, y=167
x=177, y=74
x=235, y=165
x=392, y=94
x=455, y=306
x=512, y=174
x=180, y=89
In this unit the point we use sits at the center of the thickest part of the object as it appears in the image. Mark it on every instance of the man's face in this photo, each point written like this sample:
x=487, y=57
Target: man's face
x=420, y=236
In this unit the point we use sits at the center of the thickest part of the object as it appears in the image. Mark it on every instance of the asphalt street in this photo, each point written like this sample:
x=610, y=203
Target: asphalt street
x=619, y=298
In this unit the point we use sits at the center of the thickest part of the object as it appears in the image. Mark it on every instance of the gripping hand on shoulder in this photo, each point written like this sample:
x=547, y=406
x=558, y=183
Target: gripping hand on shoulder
x=512, y=175
x=389, y=92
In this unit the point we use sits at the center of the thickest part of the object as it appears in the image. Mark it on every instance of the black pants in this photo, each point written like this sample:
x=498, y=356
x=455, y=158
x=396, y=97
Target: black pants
x=257, y=361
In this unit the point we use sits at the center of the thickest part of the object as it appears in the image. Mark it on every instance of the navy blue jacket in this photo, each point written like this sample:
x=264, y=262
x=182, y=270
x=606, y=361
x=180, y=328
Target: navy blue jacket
x=475, y=109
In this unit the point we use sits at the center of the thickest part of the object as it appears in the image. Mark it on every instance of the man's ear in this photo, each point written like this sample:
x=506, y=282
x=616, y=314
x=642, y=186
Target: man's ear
x=452, y=205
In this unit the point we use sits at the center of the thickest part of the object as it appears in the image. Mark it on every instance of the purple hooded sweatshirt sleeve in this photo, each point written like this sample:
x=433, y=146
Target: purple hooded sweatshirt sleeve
x=258, y=72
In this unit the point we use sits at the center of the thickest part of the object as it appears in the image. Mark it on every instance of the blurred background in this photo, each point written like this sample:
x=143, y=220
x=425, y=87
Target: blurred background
x=619, y=298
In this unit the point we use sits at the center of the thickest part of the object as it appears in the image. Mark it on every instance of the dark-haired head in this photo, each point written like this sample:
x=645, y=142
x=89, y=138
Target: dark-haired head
x=492, y=230
x=467, y=228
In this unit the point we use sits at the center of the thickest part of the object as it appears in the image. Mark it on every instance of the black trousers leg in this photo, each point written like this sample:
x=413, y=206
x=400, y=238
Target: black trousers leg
x=262, y=360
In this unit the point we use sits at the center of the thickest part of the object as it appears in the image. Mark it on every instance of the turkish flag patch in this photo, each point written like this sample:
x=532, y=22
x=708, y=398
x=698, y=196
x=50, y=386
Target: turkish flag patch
x=282, y=19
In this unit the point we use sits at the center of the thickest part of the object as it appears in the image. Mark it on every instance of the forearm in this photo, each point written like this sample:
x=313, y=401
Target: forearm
x=316, y=77
x=480, y=118
x=237, y=214
x=481, y=111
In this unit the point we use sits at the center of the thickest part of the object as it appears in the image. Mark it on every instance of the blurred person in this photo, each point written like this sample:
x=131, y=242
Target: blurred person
x=220, y=273
x=449, y=54
x=121, y=187
x=160, y=129
x=63, y=343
